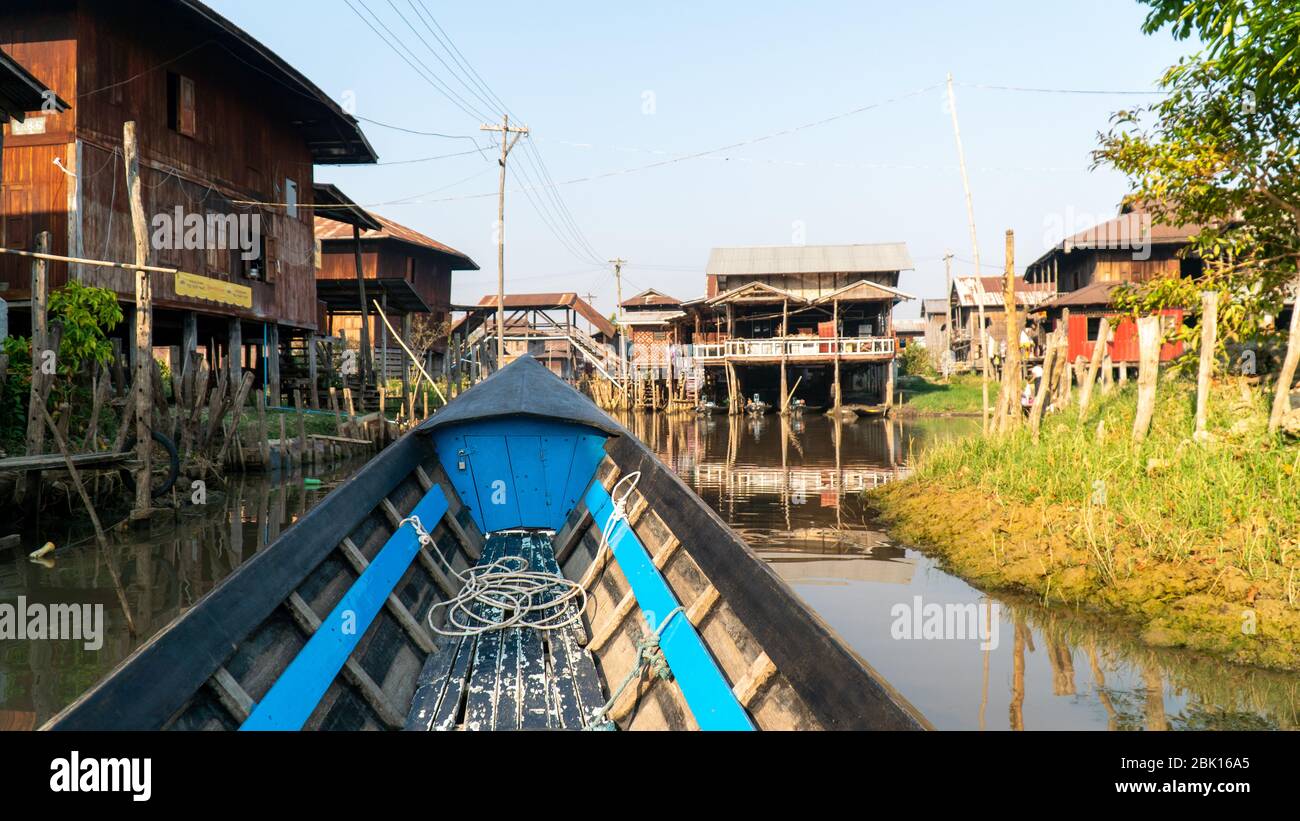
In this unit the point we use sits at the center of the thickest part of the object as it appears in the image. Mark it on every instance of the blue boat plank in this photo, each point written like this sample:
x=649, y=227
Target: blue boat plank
x=295, y=694
x=702, y=684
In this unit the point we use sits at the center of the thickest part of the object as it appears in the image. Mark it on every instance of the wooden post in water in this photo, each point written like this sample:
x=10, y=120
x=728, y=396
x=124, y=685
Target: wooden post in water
x=1209, y=340
x=40, y=380
x=1282, y=397
x=273, y=362
x=235, y=350
x=143, y=376
x=302, y=426
x=1148, y=371
x=312, y=340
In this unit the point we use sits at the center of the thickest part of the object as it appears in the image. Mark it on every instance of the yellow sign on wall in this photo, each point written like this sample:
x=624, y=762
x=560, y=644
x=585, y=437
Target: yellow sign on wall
x=227, y=293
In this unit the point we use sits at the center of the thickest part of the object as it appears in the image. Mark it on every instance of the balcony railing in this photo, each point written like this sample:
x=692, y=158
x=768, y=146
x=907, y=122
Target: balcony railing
x=811, y=346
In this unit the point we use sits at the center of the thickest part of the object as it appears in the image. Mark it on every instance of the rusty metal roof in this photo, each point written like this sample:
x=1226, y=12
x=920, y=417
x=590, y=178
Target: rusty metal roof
x=328, y=230
x=1028, y=294
x=651, y=297
x=555, y=301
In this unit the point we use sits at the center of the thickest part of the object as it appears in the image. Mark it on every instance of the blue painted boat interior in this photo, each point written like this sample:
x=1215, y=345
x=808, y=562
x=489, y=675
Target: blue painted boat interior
x=519, y=472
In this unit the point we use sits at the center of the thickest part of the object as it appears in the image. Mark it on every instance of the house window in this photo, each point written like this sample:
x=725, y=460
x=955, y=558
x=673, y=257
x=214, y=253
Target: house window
x=410, y=269
x=291, y=198
x=180, y=105
x=1094, y=328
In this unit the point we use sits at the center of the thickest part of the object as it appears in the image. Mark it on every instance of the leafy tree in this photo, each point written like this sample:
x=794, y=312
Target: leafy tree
x=1222, y=150
x=88, y=314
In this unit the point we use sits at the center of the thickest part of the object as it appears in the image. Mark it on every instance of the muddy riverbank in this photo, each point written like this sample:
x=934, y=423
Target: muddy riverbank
x=1191, y=544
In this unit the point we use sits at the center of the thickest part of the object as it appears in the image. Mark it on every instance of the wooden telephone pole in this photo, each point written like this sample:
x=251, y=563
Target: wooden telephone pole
x=507, y=143
x=618, y=312
x=975, y=248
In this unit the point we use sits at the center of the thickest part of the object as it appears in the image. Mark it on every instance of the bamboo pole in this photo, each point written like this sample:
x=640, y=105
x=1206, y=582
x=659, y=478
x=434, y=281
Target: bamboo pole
x=100, y=536
x=1209, y=340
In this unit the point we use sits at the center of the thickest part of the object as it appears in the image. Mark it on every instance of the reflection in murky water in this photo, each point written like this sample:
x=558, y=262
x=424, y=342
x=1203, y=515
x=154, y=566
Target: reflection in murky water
x=793, y=490
x=160, y=573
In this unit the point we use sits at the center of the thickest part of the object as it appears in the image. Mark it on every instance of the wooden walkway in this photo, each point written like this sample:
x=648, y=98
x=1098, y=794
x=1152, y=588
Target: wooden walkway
x=519, y=678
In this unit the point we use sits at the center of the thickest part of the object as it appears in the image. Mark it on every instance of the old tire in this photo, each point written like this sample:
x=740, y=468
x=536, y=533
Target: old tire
x=173, y=465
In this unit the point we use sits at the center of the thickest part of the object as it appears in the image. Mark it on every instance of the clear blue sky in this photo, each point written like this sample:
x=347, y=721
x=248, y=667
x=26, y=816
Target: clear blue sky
x=578, y=73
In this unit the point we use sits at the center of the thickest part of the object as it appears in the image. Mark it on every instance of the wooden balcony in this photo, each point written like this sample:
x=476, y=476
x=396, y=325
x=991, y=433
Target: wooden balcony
x=799, y=348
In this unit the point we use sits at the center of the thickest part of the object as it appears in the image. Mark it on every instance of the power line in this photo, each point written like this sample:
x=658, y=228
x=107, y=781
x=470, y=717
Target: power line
x=989, y=87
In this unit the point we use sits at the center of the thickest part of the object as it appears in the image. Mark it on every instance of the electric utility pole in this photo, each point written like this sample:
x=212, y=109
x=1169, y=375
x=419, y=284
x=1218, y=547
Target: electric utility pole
x=975, y=249
x=507, y=143
x=618, y=312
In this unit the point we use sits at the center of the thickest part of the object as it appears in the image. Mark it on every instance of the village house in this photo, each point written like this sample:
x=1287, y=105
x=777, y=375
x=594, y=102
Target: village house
x=228, y=137
x=965, y=300
x=651, y=321
x=1085, y=269
x=406, y=272
x=813, y=323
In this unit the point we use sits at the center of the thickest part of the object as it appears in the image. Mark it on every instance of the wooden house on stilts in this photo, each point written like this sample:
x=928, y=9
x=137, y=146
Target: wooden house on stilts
x=228, y=138
x=811, y=323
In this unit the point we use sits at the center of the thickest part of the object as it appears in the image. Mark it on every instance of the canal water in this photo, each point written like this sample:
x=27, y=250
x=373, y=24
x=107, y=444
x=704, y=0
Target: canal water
x=159, y=573
x=793, y=490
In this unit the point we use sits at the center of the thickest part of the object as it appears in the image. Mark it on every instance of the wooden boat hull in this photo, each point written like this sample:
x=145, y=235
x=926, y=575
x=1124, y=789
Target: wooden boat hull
x=520, y=465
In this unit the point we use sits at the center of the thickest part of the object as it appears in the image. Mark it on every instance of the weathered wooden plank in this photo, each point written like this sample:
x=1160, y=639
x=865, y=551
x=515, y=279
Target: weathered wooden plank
x=432, y=684
x=232, y=696
x=534, y=690
x=484, y=676
x=577, y=683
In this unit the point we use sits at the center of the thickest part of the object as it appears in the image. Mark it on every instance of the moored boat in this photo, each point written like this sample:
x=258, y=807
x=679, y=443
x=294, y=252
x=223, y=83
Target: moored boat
x=518, y=561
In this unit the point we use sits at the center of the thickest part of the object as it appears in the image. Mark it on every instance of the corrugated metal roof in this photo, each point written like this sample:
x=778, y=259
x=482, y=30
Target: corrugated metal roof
x=328, y=229
x=809, y=259
x=566, y=299
x=651, y=297
x=1028, y=294
x=650, y=317
x=934, y=306
x=909, y=326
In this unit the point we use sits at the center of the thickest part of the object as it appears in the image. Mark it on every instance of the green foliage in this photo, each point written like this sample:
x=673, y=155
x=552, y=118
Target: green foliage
x=1166, y=494
x=88, y=314
x=960, y=394
x=1222, y=150
x=915, y=361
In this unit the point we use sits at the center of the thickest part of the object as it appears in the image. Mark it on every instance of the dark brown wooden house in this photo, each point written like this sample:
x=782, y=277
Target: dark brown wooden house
x=408, y=273
x=1086, y=268
x=227, y=131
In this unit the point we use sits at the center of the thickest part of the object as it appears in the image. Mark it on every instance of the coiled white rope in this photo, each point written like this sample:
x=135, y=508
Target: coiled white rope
x=508, y=593
x=500, y=594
